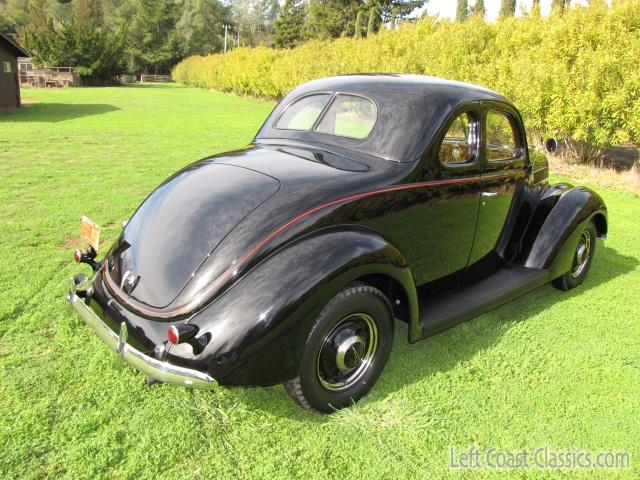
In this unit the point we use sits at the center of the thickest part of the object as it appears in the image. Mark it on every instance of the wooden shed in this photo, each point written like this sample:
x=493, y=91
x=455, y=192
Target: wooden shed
x=9, y=81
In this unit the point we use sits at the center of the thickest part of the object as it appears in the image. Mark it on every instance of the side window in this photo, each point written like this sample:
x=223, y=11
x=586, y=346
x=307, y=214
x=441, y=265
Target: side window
x=6, y=67
x=302, y=114
x=501, y=137
x=460, y=143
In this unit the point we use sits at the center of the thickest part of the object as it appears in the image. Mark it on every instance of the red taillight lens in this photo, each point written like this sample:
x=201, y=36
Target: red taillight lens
x=172, y=335
x=77, y=255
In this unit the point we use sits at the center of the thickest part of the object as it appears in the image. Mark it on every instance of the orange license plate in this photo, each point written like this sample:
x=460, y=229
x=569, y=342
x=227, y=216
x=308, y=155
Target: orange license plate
x=90, y=231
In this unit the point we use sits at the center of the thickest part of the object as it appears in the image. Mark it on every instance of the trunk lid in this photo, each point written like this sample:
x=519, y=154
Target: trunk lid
x=180, y=224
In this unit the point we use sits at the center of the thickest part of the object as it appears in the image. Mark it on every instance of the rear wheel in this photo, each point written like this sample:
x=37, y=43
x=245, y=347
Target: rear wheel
x=582, y=259
x=346, y=351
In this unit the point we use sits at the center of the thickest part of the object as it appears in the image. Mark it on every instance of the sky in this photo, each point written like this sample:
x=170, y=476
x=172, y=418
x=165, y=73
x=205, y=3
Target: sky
x=447, y=8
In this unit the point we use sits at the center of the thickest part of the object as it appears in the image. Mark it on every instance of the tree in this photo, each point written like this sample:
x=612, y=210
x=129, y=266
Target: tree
x=154, y=44
x=200, y=26
x=88, y=13
x=255, y=20
x=372, y=24
x=462, y=10
x=270, y=12
x=507, y=8
x=12, y=15
x=358, y=25
x=38, y=35
x=397, y=8
x=479, y=9
x=335, y=18
x=289, y=26
x=332, y=18
x=76, y=36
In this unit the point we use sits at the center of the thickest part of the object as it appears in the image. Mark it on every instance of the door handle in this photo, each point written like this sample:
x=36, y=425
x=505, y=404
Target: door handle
x=489, y=194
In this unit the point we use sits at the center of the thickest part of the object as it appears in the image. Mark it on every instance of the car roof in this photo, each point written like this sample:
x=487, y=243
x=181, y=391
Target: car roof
x=411, y=110
x=399, y=81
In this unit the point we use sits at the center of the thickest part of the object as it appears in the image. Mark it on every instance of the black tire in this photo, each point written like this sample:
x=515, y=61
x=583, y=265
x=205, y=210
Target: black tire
x=346, y=351
x=581, y=260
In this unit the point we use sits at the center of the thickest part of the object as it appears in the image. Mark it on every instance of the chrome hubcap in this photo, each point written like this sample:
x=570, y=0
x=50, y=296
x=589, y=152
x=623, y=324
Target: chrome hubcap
x=347, y=352
x=350, y=352
x=581, y=257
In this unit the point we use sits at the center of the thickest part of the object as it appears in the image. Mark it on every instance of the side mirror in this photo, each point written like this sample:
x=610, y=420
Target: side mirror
x=551, y=145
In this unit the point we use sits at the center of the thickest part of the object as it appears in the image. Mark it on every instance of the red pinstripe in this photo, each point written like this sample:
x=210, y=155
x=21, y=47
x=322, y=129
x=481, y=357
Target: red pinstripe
x=229, y=272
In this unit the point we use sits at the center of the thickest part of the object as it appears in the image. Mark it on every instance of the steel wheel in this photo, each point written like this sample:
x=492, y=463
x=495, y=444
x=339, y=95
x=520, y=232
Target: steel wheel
x=347, y=352
x=582, y=255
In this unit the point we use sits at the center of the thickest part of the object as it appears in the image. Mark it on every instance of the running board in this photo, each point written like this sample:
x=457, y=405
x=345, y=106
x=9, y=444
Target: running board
x=510, y=282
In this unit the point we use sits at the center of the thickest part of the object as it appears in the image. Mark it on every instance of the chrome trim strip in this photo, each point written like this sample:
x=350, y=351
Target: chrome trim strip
x=151, y=367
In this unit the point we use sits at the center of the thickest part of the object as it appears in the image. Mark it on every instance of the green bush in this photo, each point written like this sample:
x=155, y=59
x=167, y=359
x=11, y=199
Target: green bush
x=573, y=76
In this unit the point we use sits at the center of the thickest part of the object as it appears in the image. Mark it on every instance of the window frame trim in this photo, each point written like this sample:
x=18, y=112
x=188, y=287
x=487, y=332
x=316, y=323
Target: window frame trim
x=332, y=97
x=330, y=104
x=519, y=150
x=467, y=109
x=274, y=124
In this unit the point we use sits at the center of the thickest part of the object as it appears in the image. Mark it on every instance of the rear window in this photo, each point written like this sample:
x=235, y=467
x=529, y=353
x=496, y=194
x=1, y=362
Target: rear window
x=303, y=114
x=347, y=115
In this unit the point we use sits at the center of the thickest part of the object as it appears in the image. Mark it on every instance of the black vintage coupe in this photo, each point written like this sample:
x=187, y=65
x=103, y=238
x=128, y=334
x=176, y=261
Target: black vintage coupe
x=363, y=201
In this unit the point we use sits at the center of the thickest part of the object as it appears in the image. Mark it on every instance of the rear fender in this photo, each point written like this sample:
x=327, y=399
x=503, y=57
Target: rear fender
x=259, y=327
x=554, y=243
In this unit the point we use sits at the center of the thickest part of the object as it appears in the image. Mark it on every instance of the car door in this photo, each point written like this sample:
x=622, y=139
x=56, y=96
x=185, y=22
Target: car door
x=504, y=156
x=447, y=220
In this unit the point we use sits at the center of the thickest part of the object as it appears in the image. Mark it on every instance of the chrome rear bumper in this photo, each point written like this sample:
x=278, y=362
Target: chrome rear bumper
x=153, y=368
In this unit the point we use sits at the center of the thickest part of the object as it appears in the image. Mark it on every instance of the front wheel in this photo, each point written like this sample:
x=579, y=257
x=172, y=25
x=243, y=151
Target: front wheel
x=346, y=351
x=582, y=259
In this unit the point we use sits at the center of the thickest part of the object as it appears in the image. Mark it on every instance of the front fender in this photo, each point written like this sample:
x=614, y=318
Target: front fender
x=555, y=242
x=259, y=326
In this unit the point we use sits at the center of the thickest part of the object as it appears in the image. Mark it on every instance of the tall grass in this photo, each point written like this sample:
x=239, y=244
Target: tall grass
x=573, y=76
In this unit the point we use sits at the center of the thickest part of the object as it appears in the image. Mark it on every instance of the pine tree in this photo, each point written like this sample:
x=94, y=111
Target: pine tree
x=397, y=8
x=462, y=10
x=154, y=44
x=332, y=18
x=200, y=26
x=479, y=9
x=289, y=26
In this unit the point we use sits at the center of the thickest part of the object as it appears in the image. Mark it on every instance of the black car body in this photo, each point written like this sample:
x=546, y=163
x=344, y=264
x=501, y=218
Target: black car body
x=421, y=189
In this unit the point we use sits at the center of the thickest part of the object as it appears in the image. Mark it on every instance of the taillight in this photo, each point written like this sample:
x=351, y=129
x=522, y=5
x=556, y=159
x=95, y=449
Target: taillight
x=181, y=333
x=87, y=256
x=173, y=335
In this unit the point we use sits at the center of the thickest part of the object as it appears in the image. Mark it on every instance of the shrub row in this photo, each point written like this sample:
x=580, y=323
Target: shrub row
x=573, y=76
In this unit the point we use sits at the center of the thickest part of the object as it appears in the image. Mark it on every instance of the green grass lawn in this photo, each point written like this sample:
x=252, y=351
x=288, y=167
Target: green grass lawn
x=549, y=369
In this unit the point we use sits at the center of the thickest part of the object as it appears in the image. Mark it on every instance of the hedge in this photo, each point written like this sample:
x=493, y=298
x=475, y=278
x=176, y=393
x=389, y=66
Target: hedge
x=573, y=76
